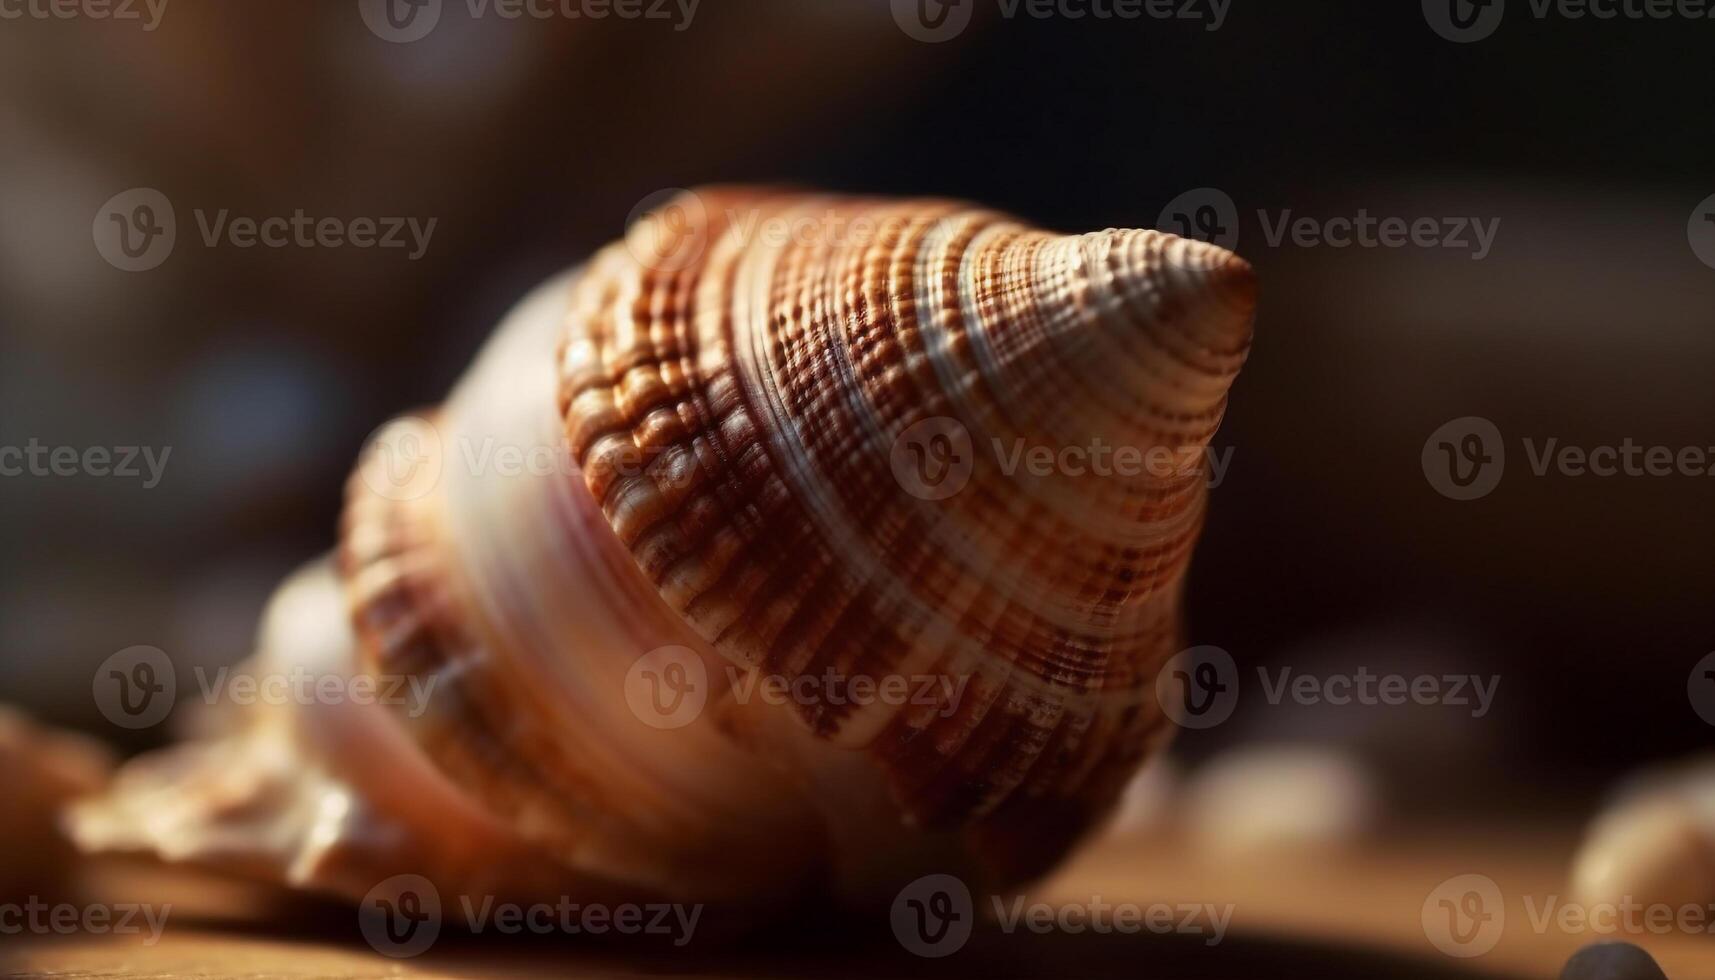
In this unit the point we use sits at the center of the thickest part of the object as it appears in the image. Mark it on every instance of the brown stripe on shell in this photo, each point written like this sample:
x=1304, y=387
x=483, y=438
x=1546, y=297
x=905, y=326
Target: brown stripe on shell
x=493, y=725
x=411, y=623
x=770, y=378
x=731, y=405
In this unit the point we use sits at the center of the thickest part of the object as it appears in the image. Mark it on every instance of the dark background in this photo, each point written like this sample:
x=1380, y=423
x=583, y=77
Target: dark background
x=531, y=141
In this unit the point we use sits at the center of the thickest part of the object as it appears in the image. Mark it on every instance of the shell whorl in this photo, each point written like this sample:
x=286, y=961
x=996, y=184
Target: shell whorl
x=733, y=385
x=768, y=383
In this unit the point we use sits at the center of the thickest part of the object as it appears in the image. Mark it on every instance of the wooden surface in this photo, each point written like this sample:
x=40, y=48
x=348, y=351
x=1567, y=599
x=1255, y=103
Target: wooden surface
x=1357, y=915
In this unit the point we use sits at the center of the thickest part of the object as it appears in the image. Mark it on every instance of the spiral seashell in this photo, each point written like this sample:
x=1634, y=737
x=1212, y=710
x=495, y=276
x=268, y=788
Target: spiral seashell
x=785, y=432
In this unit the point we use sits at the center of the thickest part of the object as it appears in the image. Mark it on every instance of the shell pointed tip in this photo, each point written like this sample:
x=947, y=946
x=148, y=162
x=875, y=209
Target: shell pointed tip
x=1235, y=281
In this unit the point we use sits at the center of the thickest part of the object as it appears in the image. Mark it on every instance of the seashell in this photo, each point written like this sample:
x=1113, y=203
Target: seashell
x=325, y=796
x=777, y=437
x=1146, y=807
x=1281, y=803
x=45, y=769
x=1655, y=844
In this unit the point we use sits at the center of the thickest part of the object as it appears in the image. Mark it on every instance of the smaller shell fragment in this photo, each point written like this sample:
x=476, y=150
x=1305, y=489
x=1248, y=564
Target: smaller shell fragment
x=1277, y=802
x=1655, y=844
x=44, y=770
x=1146, y=807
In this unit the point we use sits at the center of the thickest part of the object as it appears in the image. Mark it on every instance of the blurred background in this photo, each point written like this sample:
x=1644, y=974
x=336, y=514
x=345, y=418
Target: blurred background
x=529, y=142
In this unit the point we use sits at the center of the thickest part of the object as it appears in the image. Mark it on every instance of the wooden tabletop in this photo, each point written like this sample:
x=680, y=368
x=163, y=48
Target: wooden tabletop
x=1358, y=914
